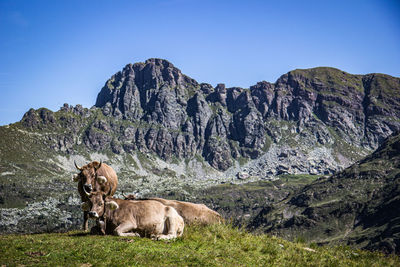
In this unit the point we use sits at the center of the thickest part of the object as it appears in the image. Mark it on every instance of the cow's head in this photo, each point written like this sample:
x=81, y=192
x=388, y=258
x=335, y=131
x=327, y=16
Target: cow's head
x=129, y=197
x=97, y=204
x=88, y=175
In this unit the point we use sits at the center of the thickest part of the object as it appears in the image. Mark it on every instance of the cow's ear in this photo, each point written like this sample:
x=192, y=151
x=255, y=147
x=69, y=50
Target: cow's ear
x=75, y=177
x=112, y=205
x=85, y=206
x=101, y=179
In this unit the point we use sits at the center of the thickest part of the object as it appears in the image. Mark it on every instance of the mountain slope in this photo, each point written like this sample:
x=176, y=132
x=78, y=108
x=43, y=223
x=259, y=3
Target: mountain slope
x=359, y=205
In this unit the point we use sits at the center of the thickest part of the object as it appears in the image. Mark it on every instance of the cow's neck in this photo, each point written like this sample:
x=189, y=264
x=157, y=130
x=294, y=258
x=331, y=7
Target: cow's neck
x=104, y=218
x=106, y=214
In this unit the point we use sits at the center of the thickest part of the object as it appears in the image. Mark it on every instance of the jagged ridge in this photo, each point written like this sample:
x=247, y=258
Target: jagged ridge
x=173, y=115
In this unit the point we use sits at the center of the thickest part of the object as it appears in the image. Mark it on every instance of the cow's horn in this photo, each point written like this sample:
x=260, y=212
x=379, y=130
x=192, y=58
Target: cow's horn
x=76, y=166
x=98, y=167
x=102, y=179
x=125, y=196
x=87, y=193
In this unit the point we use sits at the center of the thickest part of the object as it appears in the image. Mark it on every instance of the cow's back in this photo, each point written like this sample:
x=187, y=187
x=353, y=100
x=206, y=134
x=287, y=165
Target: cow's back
x=192, y=212
x=133, y=209
x=112, y=180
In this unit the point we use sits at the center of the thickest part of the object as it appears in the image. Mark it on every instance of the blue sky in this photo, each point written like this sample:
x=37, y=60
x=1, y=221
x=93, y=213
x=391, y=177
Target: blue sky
x=55, y=52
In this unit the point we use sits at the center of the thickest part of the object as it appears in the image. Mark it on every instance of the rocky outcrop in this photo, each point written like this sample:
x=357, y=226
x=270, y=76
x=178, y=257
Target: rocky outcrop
x=153, y=107
x=38, y=118
x=155, y=91
x=226, y=123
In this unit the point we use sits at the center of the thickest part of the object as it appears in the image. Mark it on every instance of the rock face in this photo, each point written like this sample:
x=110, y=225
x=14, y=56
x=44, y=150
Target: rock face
x=177, y=116
x=170, y=114
x=358, y=206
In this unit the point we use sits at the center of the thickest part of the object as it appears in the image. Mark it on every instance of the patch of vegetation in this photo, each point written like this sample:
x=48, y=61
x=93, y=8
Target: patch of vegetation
x=338, y=81
x=145, y=159
x=217, y=245
x=268, y=142
x=284, y=132
x=384, y=84
x=217, y=108
x=199, y=158
x=298, y=179
x=131, y=161
x=340, y=146
x=242, y=160
x=165, y=172
x=192, y=90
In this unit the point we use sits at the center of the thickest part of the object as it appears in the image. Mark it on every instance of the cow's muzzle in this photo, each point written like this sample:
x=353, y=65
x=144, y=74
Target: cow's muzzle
x=93, y=214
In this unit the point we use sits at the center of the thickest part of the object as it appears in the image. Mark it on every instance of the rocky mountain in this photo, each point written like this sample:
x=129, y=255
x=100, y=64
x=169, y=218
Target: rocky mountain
x=179, y=117
x=359, y=206
x=339, y=115
x=166, y=134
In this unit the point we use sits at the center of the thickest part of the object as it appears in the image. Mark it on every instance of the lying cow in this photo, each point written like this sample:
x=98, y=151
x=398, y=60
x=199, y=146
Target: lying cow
x=192, y=213
x=95, y=176
x=147, y=218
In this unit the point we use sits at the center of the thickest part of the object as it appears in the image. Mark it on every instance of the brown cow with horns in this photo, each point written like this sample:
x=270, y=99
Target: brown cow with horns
x=95, y=177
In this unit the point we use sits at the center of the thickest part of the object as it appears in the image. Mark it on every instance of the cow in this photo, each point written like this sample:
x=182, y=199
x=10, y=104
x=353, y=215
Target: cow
x=145, y=218
x=192, y=213
x=95, y=177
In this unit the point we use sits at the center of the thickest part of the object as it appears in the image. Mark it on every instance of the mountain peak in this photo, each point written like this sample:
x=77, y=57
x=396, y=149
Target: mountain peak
x=131, y=92
x=159, y=62
x=152, y=63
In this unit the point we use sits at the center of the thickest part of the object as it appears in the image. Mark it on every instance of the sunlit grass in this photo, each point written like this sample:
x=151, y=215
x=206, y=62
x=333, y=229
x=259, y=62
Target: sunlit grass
x=217, y=245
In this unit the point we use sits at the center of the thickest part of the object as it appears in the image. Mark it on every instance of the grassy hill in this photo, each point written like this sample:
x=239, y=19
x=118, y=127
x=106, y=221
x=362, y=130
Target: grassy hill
x=217, y=245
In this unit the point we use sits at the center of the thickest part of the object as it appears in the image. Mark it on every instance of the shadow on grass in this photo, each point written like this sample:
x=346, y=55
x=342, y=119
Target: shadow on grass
x=79, y=234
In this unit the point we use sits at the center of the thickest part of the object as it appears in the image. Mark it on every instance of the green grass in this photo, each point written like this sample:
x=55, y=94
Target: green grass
x=333, y=78
x=217, y=245
x=298, y=179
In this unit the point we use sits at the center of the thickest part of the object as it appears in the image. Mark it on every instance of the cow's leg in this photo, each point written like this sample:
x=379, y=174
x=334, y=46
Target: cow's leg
x=173, y=228
x=175, y=223
x=102, y=225
x=99, y=228
x=122, y=229
x=85, y=220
